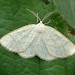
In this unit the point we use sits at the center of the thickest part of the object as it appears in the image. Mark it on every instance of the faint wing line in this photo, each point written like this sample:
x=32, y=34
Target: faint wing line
x=27, y=46
x=47, y=48
x=23, y=37
x=58, y=37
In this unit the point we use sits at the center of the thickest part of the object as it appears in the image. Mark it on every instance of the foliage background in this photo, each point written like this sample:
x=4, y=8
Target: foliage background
x=13, y=14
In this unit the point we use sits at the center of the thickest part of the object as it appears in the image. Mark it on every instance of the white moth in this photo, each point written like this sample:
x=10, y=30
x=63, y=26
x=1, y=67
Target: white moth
x=38, y=40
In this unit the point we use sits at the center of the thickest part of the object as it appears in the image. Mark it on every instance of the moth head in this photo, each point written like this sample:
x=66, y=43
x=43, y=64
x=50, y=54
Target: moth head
x=40, y=27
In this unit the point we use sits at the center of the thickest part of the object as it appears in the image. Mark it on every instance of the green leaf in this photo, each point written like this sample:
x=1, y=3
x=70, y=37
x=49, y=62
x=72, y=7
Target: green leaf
x=13, y=14
x=67, y=10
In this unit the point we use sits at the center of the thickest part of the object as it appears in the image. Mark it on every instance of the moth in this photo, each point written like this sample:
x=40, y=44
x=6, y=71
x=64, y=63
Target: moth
x=38, y=40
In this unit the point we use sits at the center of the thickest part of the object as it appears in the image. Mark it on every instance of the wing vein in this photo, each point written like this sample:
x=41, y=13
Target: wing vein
x=23, y=37
x=47, y=48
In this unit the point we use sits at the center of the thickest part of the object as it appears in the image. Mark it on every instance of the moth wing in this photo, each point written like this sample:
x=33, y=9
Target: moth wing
x=30, y=51
x=20, y=39
x=57, y=44
x=41, y=49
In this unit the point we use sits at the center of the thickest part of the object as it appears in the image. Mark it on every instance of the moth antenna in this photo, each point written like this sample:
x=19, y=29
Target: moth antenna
x=36, y=15
x=49, y=14
x=48, y=22
x=37, y=18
